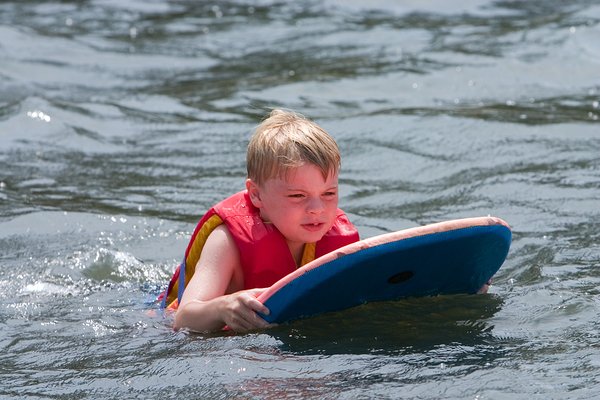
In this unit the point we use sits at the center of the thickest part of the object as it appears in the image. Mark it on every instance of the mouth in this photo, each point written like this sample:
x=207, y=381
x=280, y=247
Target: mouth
x=313, y=227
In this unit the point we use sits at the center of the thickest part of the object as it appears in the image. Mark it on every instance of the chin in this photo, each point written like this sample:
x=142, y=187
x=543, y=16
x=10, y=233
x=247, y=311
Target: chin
x=315, y=237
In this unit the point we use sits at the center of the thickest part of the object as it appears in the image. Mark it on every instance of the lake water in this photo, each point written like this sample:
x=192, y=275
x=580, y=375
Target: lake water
x=121, y=122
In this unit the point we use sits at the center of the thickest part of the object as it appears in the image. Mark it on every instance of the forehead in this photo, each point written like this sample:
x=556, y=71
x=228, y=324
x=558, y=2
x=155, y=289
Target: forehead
x=306, y=175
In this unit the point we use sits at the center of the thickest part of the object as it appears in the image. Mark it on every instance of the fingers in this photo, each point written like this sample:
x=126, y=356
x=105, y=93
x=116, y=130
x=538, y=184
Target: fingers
x=241, y=314
x=257, y=306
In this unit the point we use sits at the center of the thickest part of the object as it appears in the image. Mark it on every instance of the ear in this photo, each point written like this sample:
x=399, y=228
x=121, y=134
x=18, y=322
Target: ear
x=254, y=193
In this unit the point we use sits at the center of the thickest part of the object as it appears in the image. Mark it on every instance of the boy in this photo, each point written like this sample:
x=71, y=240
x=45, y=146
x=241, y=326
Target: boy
x=286, y=217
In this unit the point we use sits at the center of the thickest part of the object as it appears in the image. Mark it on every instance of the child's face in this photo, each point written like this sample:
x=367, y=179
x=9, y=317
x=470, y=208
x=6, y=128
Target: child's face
x=302, y=205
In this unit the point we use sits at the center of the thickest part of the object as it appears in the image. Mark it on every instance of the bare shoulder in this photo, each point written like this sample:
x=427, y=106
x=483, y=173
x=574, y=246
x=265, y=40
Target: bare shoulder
x=222, y=235
x=220, y=244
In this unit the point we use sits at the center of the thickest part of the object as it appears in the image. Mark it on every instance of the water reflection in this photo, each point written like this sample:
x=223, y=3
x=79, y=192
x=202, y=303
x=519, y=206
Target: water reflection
x=399, y=327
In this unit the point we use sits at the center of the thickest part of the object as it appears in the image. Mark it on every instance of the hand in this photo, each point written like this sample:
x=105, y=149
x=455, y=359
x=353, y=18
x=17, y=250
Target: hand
x=240, y=311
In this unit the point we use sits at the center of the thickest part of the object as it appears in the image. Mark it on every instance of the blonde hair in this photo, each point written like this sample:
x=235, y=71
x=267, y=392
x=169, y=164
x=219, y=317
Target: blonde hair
x=286, y=140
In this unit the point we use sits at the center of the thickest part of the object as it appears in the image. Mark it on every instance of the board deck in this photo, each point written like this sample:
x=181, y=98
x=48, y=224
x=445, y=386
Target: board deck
x=452, y=257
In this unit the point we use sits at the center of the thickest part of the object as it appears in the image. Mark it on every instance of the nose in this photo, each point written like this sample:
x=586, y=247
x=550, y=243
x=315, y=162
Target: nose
x=315, y=206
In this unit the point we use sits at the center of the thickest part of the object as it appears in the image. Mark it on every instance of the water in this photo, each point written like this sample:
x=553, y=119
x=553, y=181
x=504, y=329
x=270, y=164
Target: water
x=121, y=122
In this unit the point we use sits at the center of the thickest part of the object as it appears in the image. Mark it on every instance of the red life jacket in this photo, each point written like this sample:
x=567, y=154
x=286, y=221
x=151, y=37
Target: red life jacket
x=264, y=254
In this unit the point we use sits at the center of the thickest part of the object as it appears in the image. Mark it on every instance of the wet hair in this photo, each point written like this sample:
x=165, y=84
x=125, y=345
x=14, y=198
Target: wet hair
x=286, y=140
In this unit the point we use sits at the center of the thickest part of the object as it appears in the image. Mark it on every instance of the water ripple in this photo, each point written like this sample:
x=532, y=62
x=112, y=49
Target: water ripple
x=121, y=122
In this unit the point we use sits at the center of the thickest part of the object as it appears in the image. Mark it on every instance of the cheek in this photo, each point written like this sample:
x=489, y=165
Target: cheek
x=333, y=205
x=290, y=210
x=332, y=212
x=281, y=211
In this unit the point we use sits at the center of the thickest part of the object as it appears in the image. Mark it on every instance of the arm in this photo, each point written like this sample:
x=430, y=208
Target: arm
x=212, y=298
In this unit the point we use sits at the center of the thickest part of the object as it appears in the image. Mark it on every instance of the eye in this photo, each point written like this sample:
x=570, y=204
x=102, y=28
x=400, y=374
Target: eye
x=296, y=196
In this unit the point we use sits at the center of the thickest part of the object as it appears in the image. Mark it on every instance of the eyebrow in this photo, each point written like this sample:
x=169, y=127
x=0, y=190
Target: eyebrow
x=292, y=189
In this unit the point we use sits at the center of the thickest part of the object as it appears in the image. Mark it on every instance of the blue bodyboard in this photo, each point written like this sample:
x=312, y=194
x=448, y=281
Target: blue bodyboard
x=452, y=257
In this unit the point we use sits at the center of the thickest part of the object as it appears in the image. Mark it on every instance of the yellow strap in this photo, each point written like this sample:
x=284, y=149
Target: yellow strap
x=194, y=255
x=309, y=253
x=198, y=245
